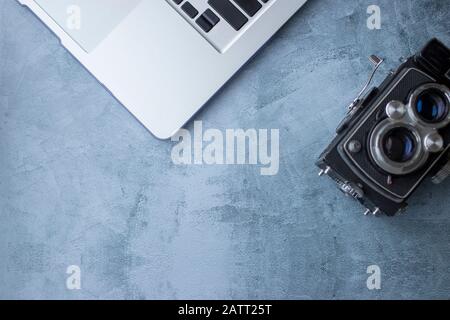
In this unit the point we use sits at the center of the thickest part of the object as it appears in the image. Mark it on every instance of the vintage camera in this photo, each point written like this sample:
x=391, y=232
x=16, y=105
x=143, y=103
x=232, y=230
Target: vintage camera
x=396, y=135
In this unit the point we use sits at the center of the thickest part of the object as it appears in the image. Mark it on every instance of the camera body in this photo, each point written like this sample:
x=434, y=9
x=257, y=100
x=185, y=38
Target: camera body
x=397, y=135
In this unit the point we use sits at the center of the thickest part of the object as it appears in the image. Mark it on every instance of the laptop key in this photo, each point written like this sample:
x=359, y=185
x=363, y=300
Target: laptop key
x=251, y=7
x=207, y=20
x=204, y=24
x=189, y=9
x=211, y=17
x=229, y=12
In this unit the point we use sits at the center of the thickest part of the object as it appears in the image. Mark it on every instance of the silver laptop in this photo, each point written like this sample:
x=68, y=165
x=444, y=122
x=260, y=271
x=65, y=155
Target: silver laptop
x=163, y=59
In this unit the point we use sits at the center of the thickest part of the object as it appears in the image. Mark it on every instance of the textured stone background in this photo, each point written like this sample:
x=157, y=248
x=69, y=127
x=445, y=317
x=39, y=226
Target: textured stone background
x=81, y=182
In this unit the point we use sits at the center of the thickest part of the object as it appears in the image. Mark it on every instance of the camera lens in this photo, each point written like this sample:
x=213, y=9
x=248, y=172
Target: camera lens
x=432, y=106
x=397, y=148
x=399, y=145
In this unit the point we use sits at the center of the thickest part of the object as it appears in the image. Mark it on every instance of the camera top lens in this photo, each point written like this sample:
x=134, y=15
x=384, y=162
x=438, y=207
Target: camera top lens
x=432, y=106
x=399, y=145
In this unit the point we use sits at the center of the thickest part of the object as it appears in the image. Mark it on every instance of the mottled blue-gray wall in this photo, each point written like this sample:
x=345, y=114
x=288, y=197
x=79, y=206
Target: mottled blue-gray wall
x=81, y=182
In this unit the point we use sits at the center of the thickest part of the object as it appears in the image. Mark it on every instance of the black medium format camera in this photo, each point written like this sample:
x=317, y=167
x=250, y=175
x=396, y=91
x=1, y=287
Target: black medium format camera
x=396, y=135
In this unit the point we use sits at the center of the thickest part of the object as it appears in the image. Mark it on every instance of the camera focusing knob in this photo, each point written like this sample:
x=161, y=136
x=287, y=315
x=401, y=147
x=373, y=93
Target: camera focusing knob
x=395, y=110
x=354, y=146
x=434, y=143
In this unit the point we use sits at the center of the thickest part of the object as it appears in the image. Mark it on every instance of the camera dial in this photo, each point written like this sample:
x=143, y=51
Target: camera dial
x=395, y=110
x=434, y=142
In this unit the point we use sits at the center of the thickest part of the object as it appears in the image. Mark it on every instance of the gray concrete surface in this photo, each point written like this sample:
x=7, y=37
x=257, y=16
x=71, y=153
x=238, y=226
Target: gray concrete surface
x=82, y=183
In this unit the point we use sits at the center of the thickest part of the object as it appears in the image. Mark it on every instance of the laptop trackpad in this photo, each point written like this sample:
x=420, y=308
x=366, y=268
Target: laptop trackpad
x=88, y=22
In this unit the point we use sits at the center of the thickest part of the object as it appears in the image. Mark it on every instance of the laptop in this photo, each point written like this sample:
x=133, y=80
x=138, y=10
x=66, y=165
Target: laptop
x=163, y=59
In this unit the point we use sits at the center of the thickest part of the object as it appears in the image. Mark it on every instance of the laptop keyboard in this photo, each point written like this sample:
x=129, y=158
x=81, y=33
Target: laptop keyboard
x=221, y=22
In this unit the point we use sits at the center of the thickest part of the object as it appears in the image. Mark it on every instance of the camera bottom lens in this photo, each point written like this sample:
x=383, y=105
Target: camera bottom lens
x=399, y=145
x=397, y=148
